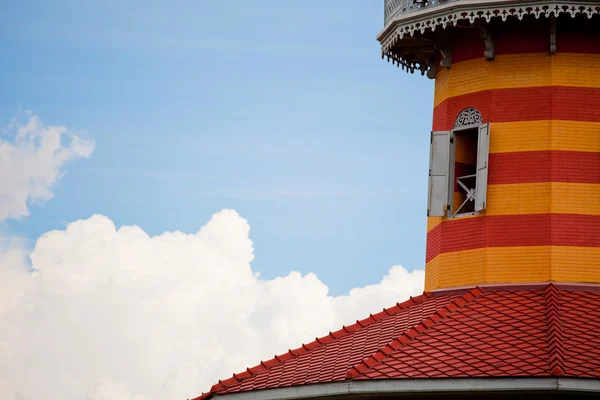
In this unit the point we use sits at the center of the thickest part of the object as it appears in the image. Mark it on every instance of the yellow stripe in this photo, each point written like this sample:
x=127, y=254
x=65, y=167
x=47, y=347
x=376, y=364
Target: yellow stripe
x=432, y=222
x=516, y=71
x=537, y=198
x=432, y=274
x=544, y=135
x=580, y=264
x=513, y=265
x=528, y=198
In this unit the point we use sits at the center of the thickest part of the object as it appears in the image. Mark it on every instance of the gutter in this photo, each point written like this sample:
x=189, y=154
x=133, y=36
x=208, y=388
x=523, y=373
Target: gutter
x=408, y=387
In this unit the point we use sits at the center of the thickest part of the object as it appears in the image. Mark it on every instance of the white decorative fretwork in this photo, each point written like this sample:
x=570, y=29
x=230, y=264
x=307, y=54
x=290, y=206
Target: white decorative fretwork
x=425, y=16
x=468, y=116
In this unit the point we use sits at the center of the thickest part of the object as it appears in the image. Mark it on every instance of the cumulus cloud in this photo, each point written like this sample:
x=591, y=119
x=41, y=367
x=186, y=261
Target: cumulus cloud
x=100, y=312
x=32, y=158
x=112, y=313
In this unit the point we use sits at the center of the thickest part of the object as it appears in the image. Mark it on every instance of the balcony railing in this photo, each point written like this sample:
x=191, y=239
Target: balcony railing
x=395, y=8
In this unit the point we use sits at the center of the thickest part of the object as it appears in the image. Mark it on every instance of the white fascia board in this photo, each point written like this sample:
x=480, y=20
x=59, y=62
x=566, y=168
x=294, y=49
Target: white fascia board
x=414, y=386
x=422, y=15
x=579, y=385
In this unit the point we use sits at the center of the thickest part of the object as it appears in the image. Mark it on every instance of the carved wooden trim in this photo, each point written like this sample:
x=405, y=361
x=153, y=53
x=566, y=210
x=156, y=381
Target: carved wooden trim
x=442, y=16
x=468, y=116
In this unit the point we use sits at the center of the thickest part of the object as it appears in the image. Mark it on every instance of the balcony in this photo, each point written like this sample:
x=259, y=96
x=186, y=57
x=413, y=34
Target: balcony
x=410, y=9
x=414, y=35
x=395, y=8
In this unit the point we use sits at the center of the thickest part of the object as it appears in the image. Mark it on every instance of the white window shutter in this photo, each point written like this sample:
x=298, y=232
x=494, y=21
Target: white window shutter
x=483, y=150
x=439, y=165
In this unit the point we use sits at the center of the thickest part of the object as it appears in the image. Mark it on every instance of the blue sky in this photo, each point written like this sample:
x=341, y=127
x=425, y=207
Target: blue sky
x=281, y=110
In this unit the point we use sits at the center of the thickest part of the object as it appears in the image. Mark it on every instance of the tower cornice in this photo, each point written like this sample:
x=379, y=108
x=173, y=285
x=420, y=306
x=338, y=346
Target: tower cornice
x=410, y=24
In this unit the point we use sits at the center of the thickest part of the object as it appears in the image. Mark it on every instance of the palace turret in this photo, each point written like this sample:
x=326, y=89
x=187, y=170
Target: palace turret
x=512, y=288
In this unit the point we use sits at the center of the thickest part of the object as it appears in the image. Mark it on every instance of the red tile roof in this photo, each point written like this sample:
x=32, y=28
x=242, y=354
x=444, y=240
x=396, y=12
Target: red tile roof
x=493, y=332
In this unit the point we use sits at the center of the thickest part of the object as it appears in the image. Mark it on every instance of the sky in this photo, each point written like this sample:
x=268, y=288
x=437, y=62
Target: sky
x=175, y=179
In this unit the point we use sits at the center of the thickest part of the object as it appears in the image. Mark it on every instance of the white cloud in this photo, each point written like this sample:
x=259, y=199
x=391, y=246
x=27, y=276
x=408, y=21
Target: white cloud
x=97, y=312
x=32, y=158
x=116, y=314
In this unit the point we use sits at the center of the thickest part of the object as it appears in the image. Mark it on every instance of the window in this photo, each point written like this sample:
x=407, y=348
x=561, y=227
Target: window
x=458, y=167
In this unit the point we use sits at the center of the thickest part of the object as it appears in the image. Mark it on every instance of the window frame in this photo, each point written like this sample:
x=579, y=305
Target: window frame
x=452, y=167
x=442, y=161
x=437, y=207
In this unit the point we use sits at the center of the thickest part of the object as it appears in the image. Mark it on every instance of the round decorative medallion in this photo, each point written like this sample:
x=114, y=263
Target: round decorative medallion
x=468, y=116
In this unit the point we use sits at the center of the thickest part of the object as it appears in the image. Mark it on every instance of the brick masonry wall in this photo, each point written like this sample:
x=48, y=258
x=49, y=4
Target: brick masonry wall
x=542, y=220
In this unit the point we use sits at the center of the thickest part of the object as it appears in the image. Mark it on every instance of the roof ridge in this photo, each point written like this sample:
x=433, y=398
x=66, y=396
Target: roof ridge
x=555, y=333
x=318, y=342
x=413, y=332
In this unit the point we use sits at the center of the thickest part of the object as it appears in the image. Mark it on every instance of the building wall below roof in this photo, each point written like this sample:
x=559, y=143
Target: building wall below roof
x=542, y=221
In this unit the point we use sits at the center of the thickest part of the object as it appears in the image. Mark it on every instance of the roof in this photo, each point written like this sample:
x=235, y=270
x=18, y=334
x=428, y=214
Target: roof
x=537, y=331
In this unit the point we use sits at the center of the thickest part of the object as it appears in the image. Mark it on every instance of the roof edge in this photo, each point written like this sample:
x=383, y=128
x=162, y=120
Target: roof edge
x=419, y=386
x=223, y=385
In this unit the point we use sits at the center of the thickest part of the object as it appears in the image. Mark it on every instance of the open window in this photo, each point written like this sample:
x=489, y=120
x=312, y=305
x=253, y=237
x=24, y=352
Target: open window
x=458, y=167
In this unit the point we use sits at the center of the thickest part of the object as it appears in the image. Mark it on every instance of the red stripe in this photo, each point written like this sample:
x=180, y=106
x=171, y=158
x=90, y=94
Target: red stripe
x=513, y=230
x=544, y=166
x=520, y=37
x=573, y=42
x=523, y=104
x=513, y=39
x=578, y=35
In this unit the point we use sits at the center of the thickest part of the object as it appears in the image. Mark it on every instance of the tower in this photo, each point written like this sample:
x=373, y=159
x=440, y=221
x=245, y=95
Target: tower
x=514, y=192
x=512, y=287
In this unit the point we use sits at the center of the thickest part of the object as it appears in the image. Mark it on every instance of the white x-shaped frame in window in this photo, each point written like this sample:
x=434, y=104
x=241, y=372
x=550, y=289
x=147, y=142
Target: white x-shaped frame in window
x=469, y=191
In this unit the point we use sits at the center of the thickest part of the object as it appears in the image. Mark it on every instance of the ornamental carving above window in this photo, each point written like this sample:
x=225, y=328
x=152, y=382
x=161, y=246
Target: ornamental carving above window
x=468, y=116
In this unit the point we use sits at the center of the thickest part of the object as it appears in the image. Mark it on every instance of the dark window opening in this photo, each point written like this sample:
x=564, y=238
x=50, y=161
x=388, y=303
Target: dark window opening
x=465, y=171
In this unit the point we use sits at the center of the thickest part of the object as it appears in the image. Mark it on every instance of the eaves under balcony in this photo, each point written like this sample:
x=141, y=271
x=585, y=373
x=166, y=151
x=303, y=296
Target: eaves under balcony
x=414, y=30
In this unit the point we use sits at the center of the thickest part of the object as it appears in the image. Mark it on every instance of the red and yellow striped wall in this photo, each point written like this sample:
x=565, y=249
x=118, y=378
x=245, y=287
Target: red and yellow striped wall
x=543, y=207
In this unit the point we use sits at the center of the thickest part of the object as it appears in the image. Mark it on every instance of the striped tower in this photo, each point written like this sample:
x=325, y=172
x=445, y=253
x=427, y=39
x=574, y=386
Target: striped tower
x=542, y=216
x=512, y=294
x=531, y=81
